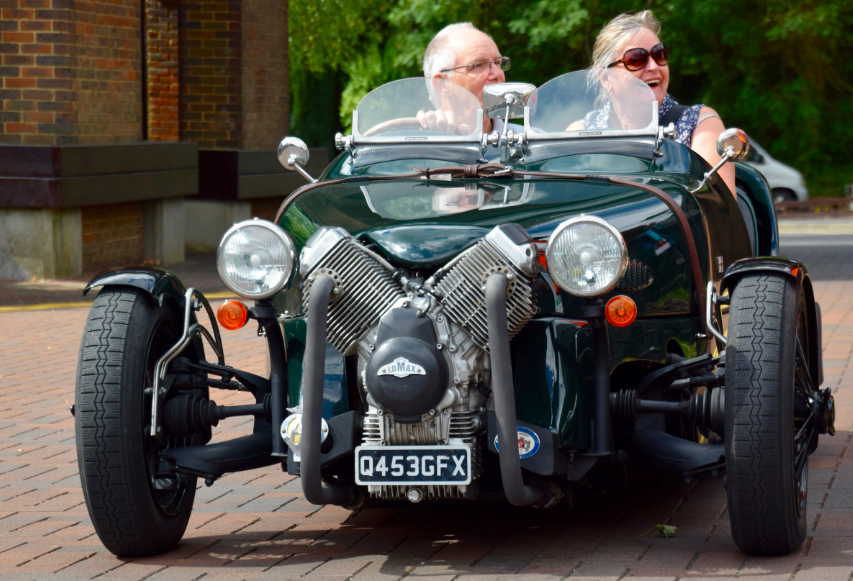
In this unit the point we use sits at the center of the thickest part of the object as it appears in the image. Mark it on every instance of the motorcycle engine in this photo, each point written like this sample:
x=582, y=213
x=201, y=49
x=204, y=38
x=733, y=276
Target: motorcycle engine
x=422, y=346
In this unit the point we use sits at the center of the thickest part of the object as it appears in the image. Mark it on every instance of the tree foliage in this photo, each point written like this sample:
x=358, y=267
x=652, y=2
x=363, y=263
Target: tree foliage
x=780, y=69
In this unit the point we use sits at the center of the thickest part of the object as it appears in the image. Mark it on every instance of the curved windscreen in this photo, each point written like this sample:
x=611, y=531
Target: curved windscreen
x=593, y=102
x=421, y=200
x=416, y=109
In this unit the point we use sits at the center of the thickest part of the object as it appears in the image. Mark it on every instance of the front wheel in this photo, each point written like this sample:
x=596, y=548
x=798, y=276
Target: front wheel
x=133, y=513
x=768, y=429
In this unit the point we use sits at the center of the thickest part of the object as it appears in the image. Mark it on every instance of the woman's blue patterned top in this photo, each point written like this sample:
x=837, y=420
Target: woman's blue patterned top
x=684, y=128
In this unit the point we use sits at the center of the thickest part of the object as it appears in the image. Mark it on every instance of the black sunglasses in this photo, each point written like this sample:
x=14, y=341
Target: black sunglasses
x=636, y=59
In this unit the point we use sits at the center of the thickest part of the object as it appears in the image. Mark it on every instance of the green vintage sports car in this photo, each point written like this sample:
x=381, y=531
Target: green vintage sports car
x=457, y=314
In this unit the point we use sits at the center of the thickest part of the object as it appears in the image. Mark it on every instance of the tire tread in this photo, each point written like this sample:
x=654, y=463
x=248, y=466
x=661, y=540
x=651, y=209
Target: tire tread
x=756, y=451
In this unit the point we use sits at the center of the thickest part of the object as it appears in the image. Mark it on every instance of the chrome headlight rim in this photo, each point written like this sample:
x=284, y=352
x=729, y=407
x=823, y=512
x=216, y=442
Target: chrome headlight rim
x=623, y=263
x=289, y=249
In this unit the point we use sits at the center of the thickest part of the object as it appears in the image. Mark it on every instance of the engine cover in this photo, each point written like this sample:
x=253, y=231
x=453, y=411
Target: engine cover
x=406, y=375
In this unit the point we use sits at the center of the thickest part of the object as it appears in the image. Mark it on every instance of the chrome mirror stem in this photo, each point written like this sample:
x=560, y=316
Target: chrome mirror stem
x=730, y=153
x=302, y=172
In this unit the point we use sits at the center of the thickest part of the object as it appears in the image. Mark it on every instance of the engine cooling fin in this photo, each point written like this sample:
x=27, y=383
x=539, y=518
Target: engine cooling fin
x=364, y=291
x=463, y=290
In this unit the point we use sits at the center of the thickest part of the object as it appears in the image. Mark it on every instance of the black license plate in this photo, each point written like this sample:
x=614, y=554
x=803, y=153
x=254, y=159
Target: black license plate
x=413, y=464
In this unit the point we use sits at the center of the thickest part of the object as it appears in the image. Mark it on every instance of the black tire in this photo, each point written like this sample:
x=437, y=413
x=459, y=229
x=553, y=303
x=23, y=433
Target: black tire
x=125, y=334
x=766, y=466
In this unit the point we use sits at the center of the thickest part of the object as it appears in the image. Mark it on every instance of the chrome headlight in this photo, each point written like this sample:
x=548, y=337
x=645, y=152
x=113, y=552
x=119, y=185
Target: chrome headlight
x=586, y=256
x=256, y=259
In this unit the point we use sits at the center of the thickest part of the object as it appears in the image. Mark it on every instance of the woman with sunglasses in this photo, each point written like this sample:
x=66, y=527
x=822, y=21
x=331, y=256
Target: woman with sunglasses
x=630, y=43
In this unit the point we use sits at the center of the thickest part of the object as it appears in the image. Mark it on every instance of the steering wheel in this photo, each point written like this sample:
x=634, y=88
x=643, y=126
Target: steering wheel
x=394, y=125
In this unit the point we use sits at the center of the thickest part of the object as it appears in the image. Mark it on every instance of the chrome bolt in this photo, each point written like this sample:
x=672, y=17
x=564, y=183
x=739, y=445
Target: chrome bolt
x=371, y=346
x=439, y=319
x=439, y=346
x=447, y=412
x=380, y=413
x=432, y=412
x=405, y=303
x=415, y=494
x=452, y=349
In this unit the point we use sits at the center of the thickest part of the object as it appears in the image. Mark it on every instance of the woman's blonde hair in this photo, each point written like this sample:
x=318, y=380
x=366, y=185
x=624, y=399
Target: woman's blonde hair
x=619, y=31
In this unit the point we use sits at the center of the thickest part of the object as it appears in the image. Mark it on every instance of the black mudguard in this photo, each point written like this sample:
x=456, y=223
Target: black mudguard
x=160, y=284
x=798, y=272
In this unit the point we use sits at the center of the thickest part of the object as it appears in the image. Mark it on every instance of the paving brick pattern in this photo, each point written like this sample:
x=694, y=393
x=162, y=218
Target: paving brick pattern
x=256, y=525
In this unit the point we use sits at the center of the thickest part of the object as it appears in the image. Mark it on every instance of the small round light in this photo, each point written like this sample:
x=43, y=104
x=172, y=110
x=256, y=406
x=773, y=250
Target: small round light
x=232, y=315
x=586, y=256
x=620, y=311
x=256, y=259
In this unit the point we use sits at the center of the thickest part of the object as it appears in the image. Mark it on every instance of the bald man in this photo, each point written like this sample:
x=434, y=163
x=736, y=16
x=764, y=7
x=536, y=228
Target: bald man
x=463, y=54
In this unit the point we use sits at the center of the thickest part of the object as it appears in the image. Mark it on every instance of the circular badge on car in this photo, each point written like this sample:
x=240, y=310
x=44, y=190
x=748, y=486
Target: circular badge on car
x=528, y=442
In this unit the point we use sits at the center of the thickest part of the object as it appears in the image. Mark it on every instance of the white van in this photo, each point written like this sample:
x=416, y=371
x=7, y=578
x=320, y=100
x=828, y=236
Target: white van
x=786, y=182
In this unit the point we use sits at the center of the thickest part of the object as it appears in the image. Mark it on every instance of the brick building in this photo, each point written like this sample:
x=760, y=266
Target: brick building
x=118, y=118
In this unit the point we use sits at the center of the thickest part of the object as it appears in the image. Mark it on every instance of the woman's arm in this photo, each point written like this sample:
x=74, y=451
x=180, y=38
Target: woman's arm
x=705, y=144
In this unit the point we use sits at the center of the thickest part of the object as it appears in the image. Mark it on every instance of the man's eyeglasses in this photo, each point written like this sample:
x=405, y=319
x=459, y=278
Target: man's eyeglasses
x=483, y=65
x=636, y=59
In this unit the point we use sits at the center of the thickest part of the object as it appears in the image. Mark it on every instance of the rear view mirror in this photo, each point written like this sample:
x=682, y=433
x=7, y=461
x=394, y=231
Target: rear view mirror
x=293, y=155
x=733, y=144
x=506, y=100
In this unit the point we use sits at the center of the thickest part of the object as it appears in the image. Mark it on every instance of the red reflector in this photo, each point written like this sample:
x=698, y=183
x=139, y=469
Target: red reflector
x=232, y=315
x=620, y=311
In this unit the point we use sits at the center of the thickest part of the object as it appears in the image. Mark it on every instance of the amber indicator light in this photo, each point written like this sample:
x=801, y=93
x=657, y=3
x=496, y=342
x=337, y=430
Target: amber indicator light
x=620, y=311
x=232, y=315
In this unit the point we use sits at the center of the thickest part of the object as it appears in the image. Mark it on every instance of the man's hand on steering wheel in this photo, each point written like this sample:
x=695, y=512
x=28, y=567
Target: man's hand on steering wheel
x=438, y=120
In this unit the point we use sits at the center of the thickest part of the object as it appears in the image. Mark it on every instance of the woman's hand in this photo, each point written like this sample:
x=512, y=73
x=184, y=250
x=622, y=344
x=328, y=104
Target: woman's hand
x=705, y=144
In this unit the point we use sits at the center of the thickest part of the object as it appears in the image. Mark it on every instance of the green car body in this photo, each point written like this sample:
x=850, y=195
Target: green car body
x=553, y=353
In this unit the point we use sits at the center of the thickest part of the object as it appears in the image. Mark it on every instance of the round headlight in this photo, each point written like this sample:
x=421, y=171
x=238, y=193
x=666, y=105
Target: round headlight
x=586, y=256
x=256, y=259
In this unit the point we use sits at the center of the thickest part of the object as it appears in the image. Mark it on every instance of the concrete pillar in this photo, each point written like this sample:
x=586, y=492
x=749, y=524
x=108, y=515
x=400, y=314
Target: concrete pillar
x=207, y=221
x=40, y=243
x=163, y=230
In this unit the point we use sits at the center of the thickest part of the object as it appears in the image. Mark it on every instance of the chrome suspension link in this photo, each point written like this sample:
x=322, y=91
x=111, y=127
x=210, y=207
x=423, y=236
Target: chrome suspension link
x=190, y=331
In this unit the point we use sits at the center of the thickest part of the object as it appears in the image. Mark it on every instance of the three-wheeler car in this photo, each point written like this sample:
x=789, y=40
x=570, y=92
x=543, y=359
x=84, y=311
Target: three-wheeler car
x=457, y=313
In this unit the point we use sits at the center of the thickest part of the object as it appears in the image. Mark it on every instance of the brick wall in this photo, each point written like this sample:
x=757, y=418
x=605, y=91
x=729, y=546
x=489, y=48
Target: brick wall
x=234, y=73
x=161, y=32
x=210, y=73
x=266, y=106
x=112, y=236
x=70, y=72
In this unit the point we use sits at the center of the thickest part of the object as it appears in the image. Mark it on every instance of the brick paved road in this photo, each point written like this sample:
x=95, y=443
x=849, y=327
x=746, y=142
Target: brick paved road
x=256, y=525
